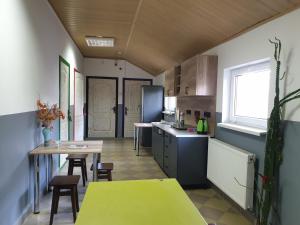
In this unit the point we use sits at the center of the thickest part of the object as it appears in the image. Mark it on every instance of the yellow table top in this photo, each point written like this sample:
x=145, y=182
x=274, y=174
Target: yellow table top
x=139, y=202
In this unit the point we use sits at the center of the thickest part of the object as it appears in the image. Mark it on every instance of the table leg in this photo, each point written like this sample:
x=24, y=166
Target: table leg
x=51, y=170
x=138, y=141
x=47, y=172
x=134, y=138
x=36, y=184
x=51, y=166
x=95, y=165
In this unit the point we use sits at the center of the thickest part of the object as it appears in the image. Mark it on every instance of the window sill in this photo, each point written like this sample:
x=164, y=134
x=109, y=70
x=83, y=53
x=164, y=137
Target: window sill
x=243, y=129
x=168, y=112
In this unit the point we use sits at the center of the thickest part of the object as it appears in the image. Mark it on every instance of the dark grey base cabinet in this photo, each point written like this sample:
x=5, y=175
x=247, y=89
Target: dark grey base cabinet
x=158, y=145
x=183, y=158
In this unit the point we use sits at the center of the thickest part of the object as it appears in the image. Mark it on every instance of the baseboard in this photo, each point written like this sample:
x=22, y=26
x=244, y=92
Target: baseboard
x=24, y=214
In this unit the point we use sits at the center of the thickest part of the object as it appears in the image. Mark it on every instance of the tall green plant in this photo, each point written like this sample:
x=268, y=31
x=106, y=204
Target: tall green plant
x=274, y=145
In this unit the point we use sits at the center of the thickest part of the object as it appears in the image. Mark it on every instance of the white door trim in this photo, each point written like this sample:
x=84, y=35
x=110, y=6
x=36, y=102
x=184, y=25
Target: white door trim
x=62, y=157
x=75, y=131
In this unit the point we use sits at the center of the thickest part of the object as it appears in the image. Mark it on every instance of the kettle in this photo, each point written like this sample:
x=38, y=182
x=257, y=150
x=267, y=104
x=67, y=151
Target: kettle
x=202, y=126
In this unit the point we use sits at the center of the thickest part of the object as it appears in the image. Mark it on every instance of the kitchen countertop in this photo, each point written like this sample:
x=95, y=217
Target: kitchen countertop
x=175, y=132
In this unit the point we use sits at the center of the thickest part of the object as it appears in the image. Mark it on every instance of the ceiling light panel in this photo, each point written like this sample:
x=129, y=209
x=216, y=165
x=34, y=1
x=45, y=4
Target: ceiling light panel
x=100, y=41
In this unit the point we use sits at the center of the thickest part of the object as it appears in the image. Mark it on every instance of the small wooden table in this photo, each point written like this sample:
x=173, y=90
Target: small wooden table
x=63, y=147
x=136, y=141
x=138, y=202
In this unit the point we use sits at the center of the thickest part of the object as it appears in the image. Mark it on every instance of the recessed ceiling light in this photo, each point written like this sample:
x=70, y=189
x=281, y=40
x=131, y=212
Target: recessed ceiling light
x=100, y=41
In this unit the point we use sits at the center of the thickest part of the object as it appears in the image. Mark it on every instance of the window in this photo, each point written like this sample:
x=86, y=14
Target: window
x=249, y=94
x=170, y=104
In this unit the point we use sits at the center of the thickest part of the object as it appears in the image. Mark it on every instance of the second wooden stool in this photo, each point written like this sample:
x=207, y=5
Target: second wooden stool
x=78, y=160
x=104, y=170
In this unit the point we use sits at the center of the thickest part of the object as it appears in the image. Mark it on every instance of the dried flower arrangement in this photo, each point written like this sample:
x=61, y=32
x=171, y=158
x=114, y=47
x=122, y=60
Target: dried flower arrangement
x=47, y=115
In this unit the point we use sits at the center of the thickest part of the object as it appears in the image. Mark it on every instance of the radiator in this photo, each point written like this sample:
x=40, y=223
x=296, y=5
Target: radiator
x=231, y=169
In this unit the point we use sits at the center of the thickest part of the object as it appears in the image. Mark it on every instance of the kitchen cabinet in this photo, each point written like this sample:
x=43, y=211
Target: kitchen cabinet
x=192, y=160
x=170, y=155
x=199, y=76
x=158, y=145
x=170, y=82
x=183, y=158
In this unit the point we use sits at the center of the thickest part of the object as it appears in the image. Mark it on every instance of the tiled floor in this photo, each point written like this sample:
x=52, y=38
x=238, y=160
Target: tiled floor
x=213, y=207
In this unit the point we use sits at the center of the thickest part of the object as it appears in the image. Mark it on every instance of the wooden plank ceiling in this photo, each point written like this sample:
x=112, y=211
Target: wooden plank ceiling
x=158, y=34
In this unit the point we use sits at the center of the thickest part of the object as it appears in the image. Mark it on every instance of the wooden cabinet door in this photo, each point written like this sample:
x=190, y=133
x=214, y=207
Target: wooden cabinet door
x=188, y=77
x=207, y=75
x=170, y=82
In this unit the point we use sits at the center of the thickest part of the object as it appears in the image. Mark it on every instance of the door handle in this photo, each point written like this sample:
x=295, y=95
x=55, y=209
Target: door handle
x=126, y=110
x=114, y=109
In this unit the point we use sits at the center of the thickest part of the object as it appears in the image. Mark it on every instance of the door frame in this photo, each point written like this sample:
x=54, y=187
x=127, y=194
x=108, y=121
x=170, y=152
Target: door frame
x=62, y=60
x=87, y=102
x=123, y=97
x=74, y=113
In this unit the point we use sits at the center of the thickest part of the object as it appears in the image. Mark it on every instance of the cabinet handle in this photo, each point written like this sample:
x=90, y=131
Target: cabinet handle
x=186, y=90
x=166, y=167
x=168, y=92
x=167, y=146
x=166, y=156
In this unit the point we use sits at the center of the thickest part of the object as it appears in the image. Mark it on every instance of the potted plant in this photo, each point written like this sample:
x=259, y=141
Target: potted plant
x=267, y=194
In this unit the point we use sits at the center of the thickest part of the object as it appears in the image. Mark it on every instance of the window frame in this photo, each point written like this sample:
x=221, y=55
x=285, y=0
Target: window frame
x=234, y=73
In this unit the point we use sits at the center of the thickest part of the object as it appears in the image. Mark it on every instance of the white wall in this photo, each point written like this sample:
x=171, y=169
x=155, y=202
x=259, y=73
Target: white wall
x=254, y=45
x=114, y=68
x=159, y=79
x=31, y=42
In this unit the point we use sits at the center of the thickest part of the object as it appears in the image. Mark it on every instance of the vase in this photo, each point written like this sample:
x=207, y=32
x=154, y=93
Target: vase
x=47, y=136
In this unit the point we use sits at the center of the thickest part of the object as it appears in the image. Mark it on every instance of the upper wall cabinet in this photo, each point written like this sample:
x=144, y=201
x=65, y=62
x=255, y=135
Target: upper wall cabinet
x=199, y=76
x=170, y=82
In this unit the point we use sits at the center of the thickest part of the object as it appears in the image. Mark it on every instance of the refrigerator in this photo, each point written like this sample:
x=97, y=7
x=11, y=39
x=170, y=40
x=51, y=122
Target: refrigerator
x=151, y=110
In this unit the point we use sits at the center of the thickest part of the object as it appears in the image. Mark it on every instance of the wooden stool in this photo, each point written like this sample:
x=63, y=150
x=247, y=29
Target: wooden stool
x=64, y=186
x=104, y=170
x=78, y=160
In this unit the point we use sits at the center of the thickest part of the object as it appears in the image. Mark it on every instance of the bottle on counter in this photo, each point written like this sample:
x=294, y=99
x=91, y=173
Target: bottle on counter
x=202, y=126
